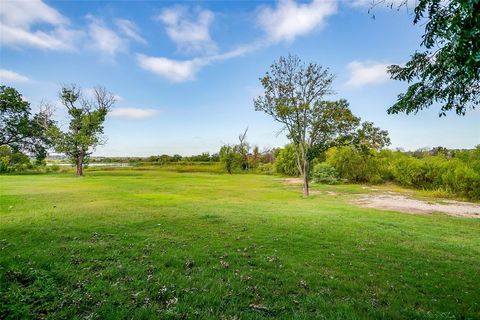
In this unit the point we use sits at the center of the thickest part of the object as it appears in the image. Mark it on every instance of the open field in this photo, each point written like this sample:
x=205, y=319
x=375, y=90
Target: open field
x=129, y=243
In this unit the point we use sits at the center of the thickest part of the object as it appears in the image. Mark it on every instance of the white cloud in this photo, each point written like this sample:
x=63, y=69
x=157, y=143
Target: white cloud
x=175, y=70
x=130, y=29
x=289, y=19
x=366, y=72
x=35, y=24
x=185, y=70
x=133, y=113
x=11, y=76
x=190, y=34
x=103, y=39
x=24, y=13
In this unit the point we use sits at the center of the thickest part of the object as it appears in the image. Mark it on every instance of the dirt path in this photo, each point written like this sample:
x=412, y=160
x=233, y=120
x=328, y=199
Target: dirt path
x=392, y=201
x=401, y=203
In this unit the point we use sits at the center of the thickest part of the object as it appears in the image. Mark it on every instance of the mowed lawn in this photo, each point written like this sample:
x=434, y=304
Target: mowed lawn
x=133, y=244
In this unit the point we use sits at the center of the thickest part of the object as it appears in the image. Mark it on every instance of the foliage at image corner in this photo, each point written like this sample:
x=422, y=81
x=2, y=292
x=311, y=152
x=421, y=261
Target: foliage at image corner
x=447, y=73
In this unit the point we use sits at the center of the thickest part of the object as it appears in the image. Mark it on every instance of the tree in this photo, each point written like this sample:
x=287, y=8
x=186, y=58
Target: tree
x=254, y=158
x=448, y=71
x=293, y=94
x=86, y=123
x=21, y=131
x=243, y=148
x=370, y=137
x=230, y=157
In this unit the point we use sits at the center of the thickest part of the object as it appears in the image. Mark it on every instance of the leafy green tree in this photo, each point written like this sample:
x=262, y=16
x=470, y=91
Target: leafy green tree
x=21, y=131
x=230, y=157
x=368, y=137
x=176, y=158
x=85, y=131
x=448, y=71
x=293, y=96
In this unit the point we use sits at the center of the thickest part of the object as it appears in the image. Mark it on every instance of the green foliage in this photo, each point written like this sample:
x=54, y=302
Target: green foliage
x=448, y=72
x=266, y=168
x=286, y=161
x=54, y=168
x=19, y=129
x=13, y=161
x=458, y=174
x=231, y=158
x=86, y=124
x=369, y=137
x=325, y=173
x=357, y=166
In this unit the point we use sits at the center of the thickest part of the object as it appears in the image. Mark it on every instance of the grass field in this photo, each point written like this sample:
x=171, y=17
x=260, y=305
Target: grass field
x=142, y=244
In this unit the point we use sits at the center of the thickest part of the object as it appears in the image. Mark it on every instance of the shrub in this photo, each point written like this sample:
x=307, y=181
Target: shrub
x=266, y=168
x=459, y=178
x=357, y=166
x=286, y=161
x=230, y=158
x=53, y=168
x=455, y=172
x=13, y=161
x=325, y=173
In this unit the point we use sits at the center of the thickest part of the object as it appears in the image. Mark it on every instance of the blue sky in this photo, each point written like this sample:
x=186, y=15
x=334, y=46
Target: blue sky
x=185, y=73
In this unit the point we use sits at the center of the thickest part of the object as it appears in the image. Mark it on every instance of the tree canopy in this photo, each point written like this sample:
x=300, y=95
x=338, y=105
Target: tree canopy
x=19, y=129
x=448, y=71
x=85, y=131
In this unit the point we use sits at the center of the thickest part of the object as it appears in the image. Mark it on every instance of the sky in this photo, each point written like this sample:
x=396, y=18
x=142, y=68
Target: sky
x=185, y=73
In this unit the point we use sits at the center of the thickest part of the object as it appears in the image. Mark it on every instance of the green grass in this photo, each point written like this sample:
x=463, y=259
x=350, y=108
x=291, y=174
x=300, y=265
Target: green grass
x=142, y=244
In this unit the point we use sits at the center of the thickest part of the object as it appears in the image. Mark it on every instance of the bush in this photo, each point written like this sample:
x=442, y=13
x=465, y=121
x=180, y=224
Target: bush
x=455, y=172
x=358, y=166
x=325, y=173
x=266, y=168
x=13, y=161
x=286, y=161
x=459, y=178
x=53, y=168
x=230, y=158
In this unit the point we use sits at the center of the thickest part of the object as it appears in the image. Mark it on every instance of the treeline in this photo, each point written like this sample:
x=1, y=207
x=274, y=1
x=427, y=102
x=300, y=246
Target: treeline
x=159, y=159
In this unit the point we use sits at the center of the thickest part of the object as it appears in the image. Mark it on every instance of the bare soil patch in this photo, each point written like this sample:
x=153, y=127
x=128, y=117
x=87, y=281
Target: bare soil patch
x=293, y=181
x=400, y=203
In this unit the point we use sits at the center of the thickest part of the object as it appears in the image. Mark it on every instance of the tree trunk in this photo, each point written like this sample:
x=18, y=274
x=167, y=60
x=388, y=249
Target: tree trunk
x=80, y=165
x=305, y=179
x=305, y=186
